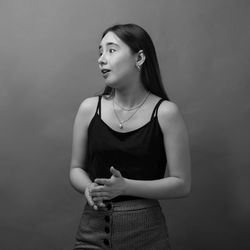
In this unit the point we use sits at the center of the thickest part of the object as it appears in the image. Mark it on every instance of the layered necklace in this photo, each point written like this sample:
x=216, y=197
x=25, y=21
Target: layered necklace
x=136, y=108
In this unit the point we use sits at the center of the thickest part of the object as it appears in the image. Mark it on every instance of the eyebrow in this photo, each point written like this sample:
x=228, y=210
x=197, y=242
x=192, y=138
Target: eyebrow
x=110, y=43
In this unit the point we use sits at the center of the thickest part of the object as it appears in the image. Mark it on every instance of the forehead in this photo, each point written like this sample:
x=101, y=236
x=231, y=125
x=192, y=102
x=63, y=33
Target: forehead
x=111, y=39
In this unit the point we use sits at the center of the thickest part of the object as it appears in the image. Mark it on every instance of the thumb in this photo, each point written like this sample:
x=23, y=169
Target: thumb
x=115, y=172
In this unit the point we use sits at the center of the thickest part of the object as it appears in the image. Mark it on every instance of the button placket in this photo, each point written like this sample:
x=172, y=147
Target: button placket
x=107, y=219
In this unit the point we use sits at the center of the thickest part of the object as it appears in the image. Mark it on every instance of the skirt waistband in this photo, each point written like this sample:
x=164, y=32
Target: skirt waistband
x=127, y=205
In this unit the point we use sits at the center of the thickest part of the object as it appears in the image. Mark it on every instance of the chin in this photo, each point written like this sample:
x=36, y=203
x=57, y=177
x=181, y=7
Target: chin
x=111, y=84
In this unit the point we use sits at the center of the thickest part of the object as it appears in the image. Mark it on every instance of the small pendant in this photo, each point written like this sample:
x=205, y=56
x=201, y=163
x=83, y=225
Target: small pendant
x=121, y=126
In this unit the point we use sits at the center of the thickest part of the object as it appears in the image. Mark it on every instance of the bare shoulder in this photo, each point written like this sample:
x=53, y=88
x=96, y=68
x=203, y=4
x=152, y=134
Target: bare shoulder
x=169, y=115
x=168, y=110
x=87, y=108
x=88, y=105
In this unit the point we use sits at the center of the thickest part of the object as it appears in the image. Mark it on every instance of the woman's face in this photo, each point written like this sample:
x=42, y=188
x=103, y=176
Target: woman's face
x=116, y=62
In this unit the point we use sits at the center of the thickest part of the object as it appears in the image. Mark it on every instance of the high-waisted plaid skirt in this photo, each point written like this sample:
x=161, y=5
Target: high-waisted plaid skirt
x=125, y=225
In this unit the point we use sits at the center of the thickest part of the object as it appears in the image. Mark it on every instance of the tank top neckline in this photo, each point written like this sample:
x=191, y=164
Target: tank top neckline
x=126, y=132
x=154, y=117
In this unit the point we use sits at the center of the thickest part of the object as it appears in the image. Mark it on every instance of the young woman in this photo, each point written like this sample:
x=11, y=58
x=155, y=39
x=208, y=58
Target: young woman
x=130, y=148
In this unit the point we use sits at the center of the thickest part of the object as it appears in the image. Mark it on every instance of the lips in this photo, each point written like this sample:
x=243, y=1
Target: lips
x=104, y=71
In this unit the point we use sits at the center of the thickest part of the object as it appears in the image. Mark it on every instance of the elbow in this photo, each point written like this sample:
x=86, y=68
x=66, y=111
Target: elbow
x=185, y=189
x=73, y=173
x=186, y=192
x=70, y=176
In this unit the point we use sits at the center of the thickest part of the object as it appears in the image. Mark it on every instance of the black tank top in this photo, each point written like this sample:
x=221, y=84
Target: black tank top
x=138, y=154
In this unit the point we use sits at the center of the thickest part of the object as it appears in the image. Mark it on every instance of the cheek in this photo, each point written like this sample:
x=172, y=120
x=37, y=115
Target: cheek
x=124, y=66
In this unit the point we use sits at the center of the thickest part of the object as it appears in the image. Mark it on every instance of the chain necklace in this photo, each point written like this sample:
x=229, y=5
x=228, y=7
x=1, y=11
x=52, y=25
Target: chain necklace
x=133, y=108
x=121, y=122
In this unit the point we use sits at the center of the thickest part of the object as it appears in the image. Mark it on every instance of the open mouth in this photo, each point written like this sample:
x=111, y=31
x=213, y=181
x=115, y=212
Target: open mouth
x=105, y=71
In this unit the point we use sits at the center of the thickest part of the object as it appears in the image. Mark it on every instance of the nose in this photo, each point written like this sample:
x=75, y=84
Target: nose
x=102, y=60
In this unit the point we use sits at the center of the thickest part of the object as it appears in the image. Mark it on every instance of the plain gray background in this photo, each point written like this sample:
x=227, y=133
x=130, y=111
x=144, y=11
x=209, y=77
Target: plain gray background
x=48, y=65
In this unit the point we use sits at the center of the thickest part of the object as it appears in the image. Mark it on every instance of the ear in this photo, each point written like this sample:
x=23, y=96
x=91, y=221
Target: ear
x=140, y=58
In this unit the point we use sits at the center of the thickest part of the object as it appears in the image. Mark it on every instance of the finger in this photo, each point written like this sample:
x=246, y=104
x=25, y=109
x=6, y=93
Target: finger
x=99, y=194
x=91, y=186
x=115, y=172
x=102, y=188
x=103, y=181
x=88, y=197
x=99, y=199
x=101, y=204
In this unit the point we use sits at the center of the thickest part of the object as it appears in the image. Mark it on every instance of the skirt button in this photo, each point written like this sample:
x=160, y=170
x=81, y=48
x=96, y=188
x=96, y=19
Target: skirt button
x=109, y=206
x=106, y=218
x=107, y=230
x=106, y=242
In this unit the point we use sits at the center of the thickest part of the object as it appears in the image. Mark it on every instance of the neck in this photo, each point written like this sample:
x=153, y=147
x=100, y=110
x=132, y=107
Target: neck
x=130, y=97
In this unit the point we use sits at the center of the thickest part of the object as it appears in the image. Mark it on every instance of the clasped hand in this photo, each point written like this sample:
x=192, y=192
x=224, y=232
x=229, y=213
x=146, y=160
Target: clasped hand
x=105, y=189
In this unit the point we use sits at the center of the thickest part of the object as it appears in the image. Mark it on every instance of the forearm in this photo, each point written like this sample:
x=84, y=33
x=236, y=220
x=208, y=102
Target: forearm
x=166, y=188
x=79, y=179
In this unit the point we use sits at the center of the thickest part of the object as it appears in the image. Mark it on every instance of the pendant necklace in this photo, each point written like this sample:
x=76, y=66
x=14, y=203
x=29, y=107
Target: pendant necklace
x=121, y=122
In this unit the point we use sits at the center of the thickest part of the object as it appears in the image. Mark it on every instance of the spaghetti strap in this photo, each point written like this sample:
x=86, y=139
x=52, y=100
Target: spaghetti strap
x=98, y=108
x=154, y=113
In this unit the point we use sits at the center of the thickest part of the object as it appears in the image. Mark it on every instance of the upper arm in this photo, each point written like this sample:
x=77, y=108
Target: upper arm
x=176, y=141
x=80, y=131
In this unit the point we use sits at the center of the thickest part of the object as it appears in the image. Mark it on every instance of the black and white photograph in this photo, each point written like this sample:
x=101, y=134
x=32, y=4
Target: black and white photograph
x=124, y=125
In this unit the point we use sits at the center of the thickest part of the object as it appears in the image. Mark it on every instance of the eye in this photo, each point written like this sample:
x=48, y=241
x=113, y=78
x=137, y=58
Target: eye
x=111, y=50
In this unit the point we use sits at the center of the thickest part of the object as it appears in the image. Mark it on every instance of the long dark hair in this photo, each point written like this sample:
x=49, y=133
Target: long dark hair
x=138, y=39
